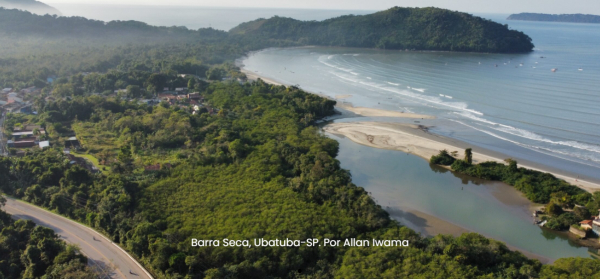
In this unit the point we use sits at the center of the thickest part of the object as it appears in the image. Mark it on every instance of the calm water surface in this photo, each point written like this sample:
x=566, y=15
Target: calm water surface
x=403, y=183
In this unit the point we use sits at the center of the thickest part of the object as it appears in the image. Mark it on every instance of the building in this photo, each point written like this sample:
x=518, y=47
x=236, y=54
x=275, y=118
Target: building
x=6, y=90
x=194, y=96
x=29, y=90
x=25, y=134
x=586, y=224
x=596, y=225
x=44, y=144
x=25, y=143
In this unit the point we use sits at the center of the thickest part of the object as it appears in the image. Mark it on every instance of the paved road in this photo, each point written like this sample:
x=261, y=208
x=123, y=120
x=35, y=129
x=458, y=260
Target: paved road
x=102, y=253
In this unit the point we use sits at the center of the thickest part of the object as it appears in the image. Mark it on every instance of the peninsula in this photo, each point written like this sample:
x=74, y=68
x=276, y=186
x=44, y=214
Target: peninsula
x=573, y=18
x=395, y=28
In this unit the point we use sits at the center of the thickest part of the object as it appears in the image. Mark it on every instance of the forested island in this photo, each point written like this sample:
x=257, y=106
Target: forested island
x=33, y=6
x=173, y=143
x=574, y=18
x=396, y=28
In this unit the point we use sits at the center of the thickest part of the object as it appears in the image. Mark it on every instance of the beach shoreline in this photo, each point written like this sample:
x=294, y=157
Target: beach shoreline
x=480, y=154
x=417, y=140
x=424, y=144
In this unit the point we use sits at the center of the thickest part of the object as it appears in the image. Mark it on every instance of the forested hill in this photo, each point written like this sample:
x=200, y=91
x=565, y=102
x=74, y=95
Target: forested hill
x=575, y=18
x=29, y=5
x=396, y=28
x=16, y=23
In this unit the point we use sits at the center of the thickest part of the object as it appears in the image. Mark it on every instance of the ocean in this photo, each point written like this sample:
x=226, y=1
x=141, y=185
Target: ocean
x=515, y=104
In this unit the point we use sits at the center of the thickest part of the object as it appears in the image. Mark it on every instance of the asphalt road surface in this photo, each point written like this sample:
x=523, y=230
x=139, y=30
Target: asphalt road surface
x=112, y=261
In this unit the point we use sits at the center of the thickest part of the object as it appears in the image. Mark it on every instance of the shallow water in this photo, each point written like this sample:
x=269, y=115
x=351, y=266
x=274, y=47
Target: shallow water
x=403, y=183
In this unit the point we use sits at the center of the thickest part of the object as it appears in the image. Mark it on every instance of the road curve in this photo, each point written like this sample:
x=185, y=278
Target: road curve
x=101, y=252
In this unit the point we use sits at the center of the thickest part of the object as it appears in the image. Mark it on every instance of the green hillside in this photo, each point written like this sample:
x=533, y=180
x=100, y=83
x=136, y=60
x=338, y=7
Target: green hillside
x=396, y=28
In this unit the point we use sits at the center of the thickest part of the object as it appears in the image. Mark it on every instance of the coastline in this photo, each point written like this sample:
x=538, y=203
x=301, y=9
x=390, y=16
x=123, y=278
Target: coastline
x=417, y=140
x=382, y=129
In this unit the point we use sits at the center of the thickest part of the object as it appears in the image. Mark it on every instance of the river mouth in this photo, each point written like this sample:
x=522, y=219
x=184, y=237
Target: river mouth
x=432, y=200
x=509, y=104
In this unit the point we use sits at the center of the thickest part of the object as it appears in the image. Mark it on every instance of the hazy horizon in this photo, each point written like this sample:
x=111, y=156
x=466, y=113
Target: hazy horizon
x=471, y=6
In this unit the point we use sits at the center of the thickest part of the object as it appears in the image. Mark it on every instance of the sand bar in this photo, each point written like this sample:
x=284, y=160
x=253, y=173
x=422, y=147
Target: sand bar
x=339, y=97
x=415, y=139
x=373, y=112
x=424, y=151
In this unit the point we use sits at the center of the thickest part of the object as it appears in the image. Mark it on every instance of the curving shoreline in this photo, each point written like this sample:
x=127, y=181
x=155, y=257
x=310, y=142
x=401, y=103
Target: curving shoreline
x=433, y=140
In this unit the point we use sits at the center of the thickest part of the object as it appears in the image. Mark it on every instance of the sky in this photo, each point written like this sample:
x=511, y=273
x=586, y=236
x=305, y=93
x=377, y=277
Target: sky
x=473, y=6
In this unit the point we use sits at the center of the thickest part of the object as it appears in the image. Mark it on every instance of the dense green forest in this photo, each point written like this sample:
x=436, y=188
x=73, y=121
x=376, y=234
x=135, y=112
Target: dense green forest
x=256, y=169
x=28, y=251
x=575, y=18
x=566, y=204
x=255, y=166
x=396, y=28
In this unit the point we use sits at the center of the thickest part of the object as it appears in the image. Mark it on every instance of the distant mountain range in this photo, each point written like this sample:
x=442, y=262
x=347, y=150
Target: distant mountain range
x=32, y=6
x=575, y=18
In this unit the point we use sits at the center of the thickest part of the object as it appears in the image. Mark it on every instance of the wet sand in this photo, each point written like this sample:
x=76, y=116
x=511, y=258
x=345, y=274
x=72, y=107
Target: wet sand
x=340, y=97
x=415, y=139
x=372, y=112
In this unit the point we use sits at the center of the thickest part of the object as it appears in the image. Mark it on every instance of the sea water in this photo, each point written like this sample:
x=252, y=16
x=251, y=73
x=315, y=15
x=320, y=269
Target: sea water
x=514, y=104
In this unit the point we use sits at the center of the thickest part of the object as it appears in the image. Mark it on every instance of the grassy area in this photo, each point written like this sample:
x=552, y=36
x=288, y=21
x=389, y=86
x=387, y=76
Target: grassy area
x=93, y=160
x=93, y=139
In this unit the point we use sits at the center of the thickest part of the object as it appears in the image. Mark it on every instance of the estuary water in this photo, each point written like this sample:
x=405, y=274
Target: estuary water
x=515, y=104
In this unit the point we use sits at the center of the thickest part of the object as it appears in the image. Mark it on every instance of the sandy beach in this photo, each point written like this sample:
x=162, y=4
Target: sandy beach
x=372, y=112
x=415, y=139
x=254, y=76
x=341, y=97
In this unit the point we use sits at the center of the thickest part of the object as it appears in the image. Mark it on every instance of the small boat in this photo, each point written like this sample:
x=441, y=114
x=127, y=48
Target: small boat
x=521, y=64
x=580, y=69
x=554, y=70
x=442, y=95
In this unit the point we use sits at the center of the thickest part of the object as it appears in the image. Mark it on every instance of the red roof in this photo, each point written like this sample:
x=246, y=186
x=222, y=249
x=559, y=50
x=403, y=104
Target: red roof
x=589, y=222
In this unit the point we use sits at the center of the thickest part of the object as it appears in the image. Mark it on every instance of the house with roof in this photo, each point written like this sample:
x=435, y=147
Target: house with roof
x=586, y=224
x=195, y=96
x=596, y=225
x=29, y=90
x=24, y=143
x=44, y=144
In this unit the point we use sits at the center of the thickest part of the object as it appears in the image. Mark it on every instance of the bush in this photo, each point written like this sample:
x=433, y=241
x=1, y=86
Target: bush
x=562, y=222
x=443, y=158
